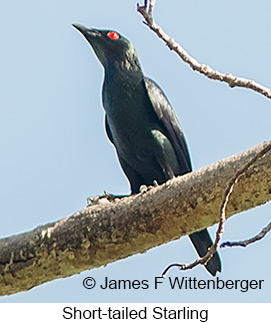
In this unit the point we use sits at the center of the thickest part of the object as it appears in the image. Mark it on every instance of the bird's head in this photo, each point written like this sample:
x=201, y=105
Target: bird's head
x=110, y=47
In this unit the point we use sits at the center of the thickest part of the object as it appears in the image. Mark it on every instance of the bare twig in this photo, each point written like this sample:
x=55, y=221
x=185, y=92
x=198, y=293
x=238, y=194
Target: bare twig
x=151, y=7
x=247, y=242
x=148, y=6
x=222, y=215
x=228, y=191
x=231, y=80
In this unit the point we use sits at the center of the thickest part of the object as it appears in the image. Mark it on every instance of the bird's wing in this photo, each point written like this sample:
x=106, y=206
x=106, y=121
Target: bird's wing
x=169, y=123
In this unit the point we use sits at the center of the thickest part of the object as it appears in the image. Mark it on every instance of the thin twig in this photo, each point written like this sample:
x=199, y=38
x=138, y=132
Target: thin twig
x=247, y=242
x=231, y=80
x=151, y=7
x=222, y=214
x=146, y=4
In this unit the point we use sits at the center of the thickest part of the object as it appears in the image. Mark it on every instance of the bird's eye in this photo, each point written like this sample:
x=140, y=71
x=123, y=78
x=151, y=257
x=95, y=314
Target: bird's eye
x=113, y=35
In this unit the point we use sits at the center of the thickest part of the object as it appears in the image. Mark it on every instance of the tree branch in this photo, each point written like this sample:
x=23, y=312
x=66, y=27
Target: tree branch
x=109, y=231
x=247, y=242
x=222, y=218
x=231, y=80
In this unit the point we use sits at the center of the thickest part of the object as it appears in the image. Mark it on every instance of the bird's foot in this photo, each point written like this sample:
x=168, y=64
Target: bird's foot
x=103, y=199
x=98, y=199
x=144, y=188
x=112, y=197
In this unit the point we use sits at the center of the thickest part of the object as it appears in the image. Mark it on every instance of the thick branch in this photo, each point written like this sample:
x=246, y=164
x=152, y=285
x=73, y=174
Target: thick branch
x=222, y=214
x=103, y=233
x=231, y=80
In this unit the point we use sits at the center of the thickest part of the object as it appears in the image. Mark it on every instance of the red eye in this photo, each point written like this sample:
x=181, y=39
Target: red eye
x=113, y=35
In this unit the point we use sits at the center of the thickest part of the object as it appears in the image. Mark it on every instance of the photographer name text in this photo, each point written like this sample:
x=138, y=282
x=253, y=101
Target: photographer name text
x=181, y=283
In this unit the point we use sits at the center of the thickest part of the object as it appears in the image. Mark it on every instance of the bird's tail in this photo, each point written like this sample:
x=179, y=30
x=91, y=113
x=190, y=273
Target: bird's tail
x=202, y=241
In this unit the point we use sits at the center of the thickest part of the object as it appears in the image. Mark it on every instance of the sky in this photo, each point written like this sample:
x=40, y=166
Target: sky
x=55, y=153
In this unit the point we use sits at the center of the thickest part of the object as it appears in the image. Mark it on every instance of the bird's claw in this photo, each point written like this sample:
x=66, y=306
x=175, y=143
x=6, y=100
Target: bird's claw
x=93, y=200
x=104, y=199
x=144, y=188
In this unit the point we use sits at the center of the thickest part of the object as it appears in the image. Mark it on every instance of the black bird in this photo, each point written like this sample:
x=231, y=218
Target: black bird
x=141, y=123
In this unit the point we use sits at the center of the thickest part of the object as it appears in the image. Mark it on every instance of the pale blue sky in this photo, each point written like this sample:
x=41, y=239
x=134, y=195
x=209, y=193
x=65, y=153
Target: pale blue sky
x=54, y=151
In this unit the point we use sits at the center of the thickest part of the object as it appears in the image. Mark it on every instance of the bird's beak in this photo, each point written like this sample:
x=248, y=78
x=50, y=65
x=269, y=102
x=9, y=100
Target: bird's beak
x=87, y=32
x=95, y=39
